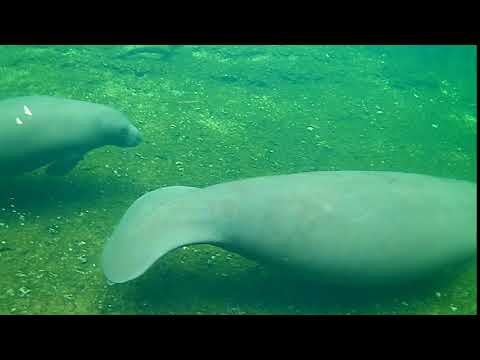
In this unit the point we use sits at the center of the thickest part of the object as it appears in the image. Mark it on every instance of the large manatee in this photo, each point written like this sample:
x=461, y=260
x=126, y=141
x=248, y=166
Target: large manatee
x=351, y=227
x=40, y=130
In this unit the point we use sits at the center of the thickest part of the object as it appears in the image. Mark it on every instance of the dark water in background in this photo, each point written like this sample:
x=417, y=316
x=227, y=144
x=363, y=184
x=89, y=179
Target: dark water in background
x=456, y=64
x=215, y=113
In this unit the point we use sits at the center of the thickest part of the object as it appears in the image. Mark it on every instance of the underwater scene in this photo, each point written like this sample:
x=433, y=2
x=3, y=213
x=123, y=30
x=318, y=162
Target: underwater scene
x=238, y=179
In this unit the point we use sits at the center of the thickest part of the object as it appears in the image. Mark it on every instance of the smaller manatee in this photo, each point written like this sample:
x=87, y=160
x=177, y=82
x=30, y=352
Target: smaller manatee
x=41, y=130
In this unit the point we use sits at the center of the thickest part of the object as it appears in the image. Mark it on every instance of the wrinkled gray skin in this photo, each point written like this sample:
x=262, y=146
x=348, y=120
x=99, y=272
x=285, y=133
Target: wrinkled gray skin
x=351, y=227
x=58, y=133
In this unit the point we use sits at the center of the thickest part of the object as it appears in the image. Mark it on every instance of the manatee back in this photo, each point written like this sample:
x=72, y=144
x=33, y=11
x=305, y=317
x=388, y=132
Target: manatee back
x=352, y=224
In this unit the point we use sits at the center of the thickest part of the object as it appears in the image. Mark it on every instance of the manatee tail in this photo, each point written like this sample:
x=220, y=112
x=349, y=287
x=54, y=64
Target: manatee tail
x=151, y=227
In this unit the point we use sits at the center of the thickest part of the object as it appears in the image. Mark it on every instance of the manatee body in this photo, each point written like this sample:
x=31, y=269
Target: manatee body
x=40, y=130
x=352, y=227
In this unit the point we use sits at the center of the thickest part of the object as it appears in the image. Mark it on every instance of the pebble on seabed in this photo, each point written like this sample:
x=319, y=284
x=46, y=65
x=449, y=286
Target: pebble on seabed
x=24, y=291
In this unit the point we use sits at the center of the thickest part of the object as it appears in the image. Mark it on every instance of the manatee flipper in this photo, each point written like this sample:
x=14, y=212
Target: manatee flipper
x=65, y=165
x=138, y=241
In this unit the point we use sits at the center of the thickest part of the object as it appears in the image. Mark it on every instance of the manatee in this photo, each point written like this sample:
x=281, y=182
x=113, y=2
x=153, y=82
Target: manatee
x=350, y=227
x=40, y=130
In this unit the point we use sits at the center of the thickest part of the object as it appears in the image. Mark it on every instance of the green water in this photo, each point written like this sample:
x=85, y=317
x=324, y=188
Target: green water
x=209, y=114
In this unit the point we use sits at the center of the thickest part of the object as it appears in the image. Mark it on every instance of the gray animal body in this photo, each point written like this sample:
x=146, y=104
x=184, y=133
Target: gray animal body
x=354, y=227
x=40, y=130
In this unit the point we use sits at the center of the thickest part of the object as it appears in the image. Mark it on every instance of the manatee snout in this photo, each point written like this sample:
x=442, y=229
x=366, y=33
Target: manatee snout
x=134, y=137
x=118, y=130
